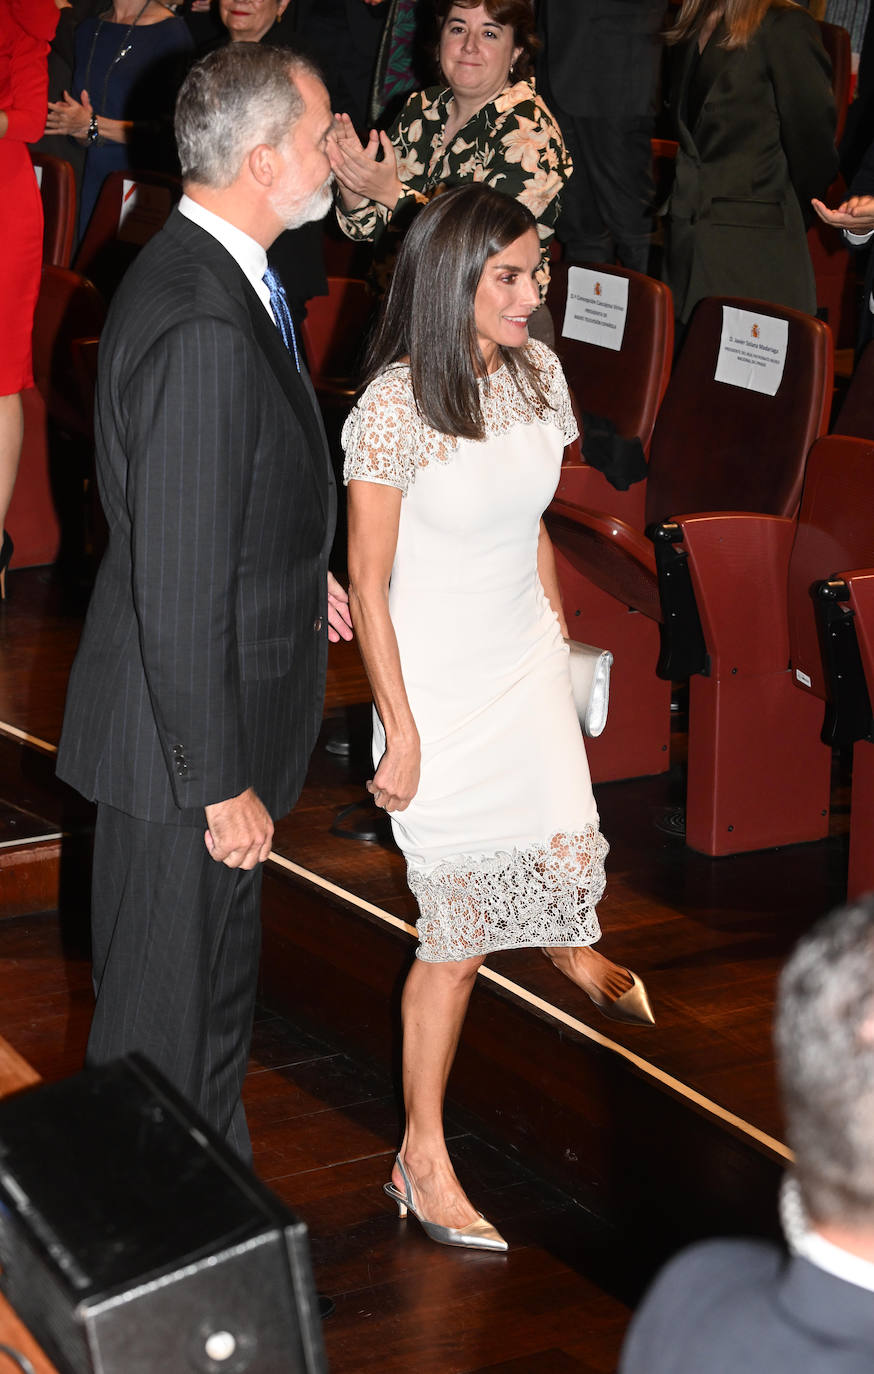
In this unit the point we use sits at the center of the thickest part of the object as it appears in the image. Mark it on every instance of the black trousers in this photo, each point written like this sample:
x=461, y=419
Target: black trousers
x=607, y=206
x=176, y=940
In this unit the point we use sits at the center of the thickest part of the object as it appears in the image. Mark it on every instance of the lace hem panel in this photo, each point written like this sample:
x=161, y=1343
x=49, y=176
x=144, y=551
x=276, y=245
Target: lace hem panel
x=542, y=895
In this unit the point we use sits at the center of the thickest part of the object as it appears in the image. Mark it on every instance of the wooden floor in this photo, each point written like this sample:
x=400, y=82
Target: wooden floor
x=324, y=1125
x=323, y=1129
x=707, y=935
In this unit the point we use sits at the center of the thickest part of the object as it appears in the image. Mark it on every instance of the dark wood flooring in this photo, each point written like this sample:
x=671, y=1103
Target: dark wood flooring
x=708, y=936
x=323, y=1130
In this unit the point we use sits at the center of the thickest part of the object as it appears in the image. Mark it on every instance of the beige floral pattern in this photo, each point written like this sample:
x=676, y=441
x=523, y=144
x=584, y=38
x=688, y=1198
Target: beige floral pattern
x=513, y=144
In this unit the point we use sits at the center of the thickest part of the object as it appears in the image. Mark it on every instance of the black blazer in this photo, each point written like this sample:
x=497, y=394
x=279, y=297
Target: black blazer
x=758, y=146
x=741, y=1305
x=202, y=662
x=600, y=59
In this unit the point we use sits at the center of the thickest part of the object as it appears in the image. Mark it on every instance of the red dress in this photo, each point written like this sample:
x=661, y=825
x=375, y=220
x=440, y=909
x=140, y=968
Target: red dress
x=26, y=27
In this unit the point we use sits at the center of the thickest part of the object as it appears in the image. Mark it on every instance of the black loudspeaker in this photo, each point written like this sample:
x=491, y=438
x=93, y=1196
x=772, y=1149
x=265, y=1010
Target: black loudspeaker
x=133, y=1241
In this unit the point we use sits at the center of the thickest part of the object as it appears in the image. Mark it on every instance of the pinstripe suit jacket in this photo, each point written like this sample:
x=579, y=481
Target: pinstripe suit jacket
x=201, y=666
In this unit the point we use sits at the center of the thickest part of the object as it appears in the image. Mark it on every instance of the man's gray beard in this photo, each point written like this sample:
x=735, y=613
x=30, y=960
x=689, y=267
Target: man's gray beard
x=294, y=213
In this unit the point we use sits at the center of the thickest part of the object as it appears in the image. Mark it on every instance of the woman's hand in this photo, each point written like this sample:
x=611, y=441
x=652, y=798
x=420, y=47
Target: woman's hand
x=69, y=116
x=396, y=780
x=358, y=173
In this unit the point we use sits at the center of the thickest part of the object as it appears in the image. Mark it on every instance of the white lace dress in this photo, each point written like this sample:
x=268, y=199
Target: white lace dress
x=502, y=841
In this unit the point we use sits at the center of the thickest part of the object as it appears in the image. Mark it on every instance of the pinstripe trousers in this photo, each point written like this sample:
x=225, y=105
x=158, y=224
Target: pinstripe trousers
x=176, y=941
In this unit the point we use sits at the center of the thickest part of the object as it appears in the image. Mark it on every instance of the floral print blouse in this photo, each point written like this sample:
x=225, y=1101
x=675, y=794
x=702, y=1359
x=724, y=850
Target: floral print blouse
x=512, y=144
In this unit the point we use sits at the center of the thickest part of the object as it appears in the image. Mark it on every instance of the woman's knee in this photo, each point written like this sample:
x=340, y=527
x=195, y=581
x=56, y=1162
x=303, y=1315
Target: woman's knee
x=457, y=972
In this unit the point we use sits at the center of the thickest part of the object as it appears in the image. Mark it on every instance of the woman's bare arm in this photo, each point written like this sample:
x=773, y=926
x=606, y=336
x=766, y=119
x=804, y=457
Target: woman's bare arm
x=374, y=515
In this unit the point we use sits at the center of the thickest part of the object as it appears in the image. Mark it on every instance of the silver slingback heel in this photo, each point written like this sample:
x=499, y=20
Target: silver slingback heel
x=479, y=1235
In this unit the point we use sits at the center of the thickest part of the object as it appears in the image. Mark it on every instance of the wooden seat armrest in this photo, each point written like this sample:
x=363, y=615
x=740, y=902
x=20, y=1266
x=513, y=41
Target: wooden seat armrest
x=613, y=555
x=861, y=584
x=739, y=569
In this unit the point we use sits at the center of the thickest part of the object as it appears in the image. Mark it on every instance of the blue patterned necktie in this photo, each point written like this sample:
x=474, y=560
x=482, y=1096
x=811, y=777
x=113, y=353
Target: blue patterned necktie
x=281, y=313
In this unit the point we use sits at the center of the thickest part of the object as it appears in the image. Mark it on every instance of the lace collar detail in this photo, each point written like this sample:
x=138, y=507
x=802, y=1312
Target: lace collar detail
x=387, y=440
x=505, y=403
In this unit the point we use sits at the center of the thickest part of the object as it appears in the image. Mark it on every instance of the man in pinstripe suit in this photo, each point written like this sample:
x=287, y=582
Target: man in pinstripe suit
x=195, y=698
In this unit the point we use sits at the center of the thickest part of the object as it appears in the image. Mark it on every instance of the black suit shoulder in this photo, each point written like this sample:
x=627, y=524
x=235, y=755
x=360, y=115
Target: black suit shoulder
x=182, y=274
x=744, y=1305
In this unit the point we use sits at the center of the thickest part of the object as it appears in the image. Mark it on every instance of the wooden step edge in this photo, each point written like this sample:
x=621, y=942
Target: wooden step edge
x=30, y=875
x=646, y=1154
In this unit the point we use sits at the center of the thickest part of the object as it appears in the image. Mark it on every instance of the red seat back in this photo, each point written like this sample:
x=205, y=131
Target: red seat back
x=664, y=156
x=837, y=291
x=131, y=207
x=861, y=585
x=721, y=447
x=625, y=385
x=334, y=332
x=57, y=187
x=835, y=532
x=68, y=308
x=857, y=412
x=836, y=42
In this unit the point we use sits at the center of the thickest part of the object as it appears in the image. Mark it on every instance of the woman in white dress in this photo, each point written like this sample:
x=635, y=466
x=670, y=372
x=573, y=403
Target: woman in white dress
x=452, y=454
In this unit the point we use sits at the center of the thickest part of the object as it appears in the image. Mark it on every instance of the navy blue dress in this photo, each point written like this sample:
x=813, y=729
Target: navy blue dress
x=129, y=75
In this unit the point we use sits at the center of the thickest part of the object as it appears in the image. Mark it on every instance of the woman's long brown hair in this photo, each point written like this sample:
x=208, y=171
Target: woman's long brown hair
x=742, y=18
x=429, y=315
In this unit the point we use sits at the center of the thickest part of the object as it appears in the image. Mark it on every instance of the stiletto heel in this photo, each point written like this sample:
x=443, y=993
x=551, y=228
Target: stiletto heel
x=7, y=548
x=478, y=1235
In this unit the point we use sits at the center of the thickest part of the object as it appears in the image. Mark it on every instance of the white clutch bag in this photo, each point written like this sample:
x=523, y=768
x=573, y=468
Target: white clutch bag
x=590, y=684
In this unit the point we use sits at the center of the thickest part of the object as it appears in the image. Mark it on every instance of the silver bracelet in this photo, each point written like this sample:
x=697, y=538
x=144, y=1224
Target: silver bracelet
x=92, y=129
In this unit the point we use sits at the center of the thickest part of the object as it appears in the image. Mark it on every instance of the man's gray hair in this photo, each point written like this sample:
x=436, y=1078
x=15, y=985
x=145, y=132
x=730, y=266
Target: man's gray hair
x=824, y=1033
x=231, y=101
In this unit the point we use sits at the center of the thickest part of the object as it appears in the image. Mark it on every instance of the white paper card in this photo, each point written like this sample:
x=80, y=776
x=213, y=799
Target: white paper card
x=144, y=209
x=38, y=172
x=597, y=304
x=752, y=350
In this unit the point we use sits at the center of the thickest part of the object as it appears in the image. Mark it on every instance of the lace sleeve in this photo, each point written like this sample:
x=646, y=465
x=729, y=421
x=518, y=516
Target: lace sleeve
x=556, y=388
x=379, y=434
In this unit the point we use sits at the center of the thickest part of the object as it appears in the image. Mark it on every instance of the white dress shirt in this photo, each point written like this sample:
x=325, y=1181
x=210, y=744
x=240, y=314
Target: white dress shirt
x=810, y=1245
x=249, y=256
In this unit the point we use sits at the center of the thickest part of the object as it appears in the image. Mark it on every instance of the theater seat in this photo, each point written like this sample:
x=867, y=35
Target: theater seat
x=834, y=268
x=130, y=209
x=759, y=772
x=857, y=412
x=57, y=409
x=334, y=334
x=845, y=609
x=837, y=44
x=57, y=187
x=715, y=447
x=625, y=385
x=664, y=157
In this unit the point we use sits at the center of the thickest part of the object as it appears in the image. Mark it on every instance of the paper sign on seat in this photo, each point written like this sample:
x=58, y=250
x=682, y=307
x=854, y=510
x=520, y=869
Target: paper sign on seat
x=597, y=304
x=752, y=350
